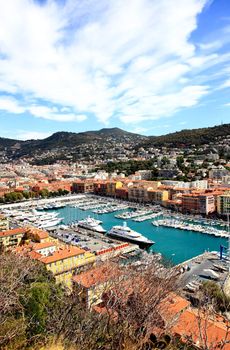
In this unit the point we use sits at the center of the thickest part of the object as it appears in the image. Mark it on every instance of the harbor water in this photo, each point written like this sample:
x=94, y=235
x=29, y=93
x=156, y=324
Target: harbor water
x=174, y=244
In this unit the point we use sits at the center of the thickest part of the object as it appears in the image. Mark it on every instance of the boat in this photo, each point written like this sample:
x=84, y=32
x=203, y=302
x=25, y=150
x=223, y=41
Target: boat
x=126, y=234
x=49, y=223
x=91, y=224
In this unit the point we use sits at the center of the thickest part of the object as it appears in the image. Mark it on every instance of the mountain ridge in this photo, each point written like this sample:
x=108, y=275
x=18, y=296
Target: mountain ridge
x=68, y=142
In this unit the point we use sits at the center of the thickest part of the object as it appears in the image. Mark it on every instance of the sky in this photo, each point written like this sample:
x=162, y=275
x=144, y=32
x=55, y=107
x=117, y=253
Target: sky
x=146, y=66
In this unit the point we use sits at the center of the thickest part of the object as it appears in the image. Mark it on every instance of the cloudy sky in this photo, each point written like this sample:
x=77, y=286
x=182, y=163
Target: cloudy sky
x=147, y=66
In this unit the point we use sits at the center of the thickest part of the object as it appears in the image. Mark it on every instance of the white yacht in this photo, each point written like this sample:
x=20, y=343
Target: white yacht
x=91, y=224
x=49, y=223
x=126, y=234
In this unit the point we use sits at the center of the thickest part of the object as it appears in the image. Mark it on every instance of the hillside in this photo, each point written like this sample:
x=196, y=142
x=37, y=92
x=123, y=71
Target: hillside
x=7, y=143
x=106, y=143
x=71, y=139
x=61, y=145
x=190, y=137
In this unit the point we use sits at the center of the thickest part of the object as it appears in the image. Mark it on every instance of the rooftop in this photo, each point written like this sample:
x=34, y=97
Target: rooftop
x=62, y=253
x=43, y=245
x=15, y=231
x=96, y=276
x=202, y=330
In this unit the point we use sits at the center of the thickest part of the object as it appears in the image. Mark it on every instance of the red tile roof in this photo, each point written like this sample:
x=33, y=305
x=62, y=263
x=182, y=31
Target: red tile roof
x=43, y=245
x=15, y=231
x=96, y=276
x=198, y=328
x=62, y=254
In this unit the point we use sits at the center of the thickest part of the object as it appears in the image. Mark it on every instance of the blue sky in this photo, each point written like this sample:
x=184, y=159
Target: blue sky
x=147, y=66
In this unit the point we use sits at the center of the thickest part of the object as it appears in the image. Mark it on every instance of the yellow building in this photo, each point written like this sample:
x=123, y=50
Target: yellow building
x=92, y=284
x=11, y=238
x=4, y=223
x=64, y=262
x=111, y=187
x=37, y=235
x=223, y=204
x=158, y=196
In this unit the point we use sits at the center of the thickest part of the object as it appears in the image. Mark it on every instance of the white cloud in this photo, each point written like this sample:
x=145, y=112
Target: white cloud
x=226, y=84
x=11, y=105
x=124, y=59
x=29, y=135
x=53, y=113
x=153, y=107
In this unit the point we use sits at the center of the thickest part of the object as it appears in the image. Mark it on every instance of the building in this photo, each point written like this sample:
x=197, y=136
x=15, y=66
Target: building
x=37, y=235
x=218, y=172
x=45, y=248
x=122, y=193
x=65, y=261
x=82, y=186
x=100, y=188
x=198, y=203
x=203, y=332
x=168, y=173
x=111, y=187
x=138, y=193
x=226, y=180
x=142, y=175
x=92, y=284
x=12, y=238
x=198, y=184
x=4, y=223
x=158, y=196
x=223, y=204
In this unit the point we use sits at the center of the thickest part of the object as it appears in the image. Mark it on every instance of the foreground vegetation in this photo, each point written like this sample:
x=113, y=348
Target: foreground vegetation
x=36, y=313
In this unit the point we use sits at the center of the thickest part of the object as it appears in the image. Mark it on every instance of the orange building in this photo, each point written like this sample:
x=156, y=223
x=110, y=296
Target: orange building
x=198, y=203
x=82, y=186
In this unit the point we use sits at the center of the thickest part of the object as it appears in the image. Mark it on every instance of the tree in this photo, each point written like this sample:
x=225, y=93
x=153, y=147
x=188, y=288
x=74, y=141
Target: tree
x=27, y=296
x=132, y=304
x=44, y=193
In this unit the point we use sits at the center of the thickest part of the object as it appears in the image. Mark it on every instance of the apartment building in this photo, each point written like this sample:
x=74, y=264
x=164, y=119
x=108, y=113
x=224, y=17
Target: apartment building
x=37, y=235
x=157, y=196
x=12, y=238
x=83, y=186
x=198, y=203
x=138, y=193
x=4, y=223
x=223, y=204
x=65, y=261
x=111, y=187
x=92, y=284
x=122, y=193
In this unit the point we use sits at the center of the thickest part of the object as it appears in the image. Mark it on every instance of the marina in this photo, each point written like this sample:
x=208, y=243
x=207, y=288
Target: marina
x=182, y=225
x=175, y=243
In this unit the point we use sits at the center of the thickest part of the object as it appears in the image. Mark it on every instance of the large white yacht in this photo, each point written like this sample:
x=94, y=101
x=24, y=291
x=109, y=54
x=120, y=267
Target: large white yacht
x=91, y=224
x=49, y=223
x=126, y=234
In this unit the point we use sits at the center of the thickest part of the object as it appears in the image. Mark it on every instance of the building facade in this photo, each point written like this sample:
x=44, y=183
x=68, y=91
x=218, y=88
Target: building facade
x=223, y=204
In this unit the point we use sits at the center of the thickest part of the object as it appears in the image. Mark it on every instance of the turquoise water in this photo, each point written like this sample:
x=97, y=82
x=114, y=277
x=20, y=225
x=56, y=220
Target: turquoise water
x=175, y=245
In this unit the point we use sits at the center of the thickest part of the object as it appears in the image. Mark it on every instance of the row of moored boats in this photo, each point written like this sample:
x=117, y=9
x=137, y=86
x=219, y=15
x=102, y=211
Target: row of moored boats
x=172, y=223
